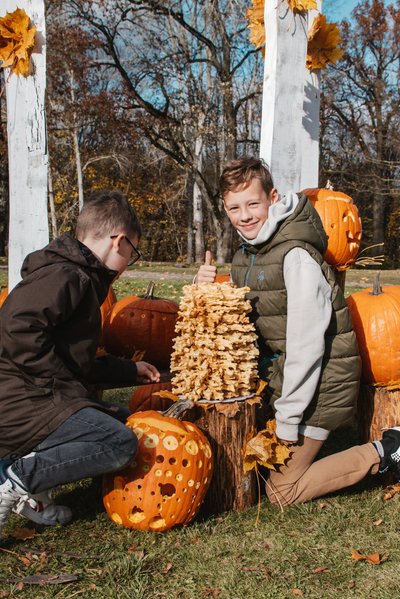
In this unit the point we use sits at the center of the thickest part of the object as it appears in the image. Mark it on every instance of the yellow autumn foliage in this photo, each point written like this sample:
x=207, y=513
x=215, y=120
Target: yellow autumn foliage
x=302, y=5
x=323, y=38
x=265, y=449
x=17, y=39
x=323, y=44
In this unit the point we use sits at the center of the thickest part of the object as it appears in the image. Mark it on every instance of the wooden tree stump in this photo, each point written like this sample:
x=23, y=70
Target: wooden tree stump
x=231, y=488
x=378, y=409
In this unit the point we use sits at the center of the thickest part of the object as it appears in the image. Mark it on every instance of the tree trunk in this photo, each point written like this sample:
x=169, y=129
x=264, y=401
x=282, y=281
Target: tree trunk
x=231, y=488
x=75, y=139
x=189, y=220
x=198, y=224
x=52, y=207
x=224, y=240
x=378, y=409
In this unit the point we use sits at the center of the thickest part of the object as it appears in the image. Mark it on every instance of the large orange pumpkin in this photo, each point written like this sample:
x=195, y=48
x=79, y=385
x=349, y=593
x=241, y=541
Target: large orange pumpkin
x=342, y=225
x=166, y=483
x=142, y=325
x=105, y=307
x=3, y=296
x=222, y=278
x=376, y=319
x=143, y=398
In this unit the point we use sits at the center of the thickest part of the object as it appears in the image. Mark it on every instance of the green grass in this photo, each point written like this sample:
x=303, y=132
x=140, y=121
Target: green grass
x=226, y=556
x=303, y=551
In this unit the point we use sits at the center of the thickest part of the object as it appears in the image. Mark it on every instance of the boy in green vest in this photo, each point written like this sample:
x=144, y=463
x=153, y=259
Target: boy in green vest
x=308, y=350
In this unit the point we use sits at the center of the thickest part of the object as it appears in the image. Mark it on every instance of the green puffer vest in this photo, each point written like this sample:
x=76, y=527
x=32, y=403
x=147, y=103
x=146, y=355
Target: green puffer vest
x=261, y=268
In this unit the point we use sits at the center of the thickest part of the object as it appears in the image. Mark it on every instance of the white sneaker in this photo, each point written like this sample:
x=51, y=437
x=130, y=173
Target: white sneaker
x=10, y=494
x=41, y=509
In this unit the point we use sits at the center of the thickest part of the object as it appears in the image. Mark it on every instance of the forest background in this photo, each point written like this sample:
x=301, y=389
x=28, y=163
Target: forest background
x=152, y=97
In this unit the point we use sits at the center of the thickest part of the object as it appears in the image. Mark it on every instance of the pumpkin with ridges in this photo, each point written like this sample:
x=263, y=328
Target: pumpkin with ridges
x=143, y=398
x=142, y=325
x=376, y=320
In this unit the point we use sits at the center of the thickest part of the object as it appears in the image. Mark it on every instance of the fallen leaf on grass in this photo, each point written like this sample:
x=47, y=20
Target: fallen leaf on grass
x=352, y=584
x=167, y=568
x=320, y=570
x=378, y=522
x=23, y=533
x=297, y=592
x=26, y=560
x=392, y=490
x=372, y=558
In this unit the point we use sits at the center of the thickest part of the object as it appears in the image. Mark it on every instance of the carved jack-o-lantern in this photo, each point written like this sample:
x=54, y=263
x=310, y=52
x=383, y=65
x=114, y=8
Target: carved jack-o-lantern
x=166, y=483
x=341, y=222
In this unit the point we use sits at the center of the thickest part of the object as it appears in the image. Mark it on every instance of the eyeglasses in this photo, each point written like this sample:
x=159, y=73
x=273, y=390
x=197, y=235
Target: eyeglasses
x=135, y=252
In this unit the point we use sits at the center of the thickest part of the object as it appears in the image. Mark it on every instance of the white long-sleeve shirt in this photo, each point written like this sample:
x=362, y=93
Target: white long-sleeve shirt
x=309, y=312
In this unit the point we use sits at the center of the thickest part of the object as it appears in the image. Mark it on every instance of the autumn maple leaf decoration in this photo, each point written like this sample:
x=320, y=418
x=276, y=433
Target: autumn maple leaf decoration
x=266, y=450
x=323, y=44
x=323, y=38
x=302, y=5
x=17, y=38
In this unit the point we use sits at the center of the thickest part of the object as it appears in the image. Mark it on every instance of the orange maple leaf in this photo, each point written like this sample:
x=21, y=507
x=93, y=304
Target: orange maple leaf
x=17, y=39
x=373, y=558
x=302, y=5
x=265, y=449
x=323, y=44
x=255, y=17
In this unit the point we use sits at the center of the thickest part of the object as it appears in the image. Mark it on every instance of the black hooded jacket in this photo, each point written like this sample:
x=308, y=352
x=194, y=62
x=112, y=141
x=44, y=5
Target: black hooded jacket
x=50, y=327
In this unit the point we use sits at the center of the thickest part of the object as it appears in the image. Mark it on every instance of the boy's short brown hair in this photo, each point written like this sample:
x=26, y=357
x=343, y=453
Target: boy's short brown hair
x=107, y=212
x=240, y=173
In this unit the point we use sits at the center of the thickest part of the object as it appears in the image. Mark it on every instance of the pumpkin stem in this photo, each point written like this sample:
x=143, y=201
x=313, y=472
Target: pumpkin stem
x=377, y=289
x=178, y=408
x=150, y=291
x=329, y=185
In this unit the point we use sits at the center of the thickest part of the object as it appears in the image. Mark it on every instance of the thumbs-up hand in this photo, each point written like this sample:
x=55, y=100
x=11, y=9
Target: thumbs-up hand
x=207, y=272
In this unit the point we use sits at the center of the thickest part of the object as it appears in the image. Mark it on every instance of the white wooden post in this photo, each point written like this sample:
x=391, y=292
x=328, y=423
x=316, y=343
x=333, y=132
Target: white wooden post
x=283, y=94
x=310, y=122
x=27, y=150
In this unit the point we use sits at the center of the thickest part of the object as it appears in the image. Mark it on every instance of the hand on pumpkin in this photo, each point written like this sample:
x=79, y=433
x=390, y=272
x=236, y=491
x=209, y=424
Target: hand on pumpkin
x=207, y=272
x=147, y=373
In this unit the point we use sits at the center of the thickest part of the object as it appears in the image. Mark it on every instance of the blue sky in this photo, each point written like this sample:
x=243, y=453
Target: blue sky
x=337, y=10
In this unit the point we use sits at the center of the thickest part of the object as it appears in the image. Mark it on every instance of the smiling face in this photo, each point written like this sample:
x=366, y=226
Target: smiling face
x=247, y=207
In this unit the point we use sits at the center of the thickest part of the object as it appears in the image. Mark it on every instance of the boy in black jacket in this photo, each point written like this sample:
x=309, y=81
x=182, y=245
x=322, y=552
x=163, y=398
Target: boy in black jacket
x=52, y=430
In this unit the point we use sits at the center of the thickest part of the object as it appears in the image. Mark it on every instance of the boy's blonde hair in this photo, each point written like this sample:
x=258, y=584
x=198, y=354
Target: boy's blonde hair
x=240, y=173
x=105, y=213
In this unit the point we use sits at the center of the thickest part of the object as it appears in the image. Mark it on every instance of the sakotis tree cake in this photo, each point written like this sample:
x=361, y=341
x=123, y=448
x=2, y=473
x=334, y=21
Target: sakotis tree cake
x=214, y=355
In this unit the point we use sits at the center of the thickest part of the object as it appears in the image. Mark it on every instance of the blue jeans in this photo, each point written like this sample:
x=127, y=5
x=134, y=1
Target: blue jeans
x=89, y=443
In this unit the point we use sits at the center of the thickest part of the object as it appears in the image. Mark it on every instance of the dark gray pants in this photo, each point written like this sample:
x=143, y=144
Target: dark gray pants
x=88, y=444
